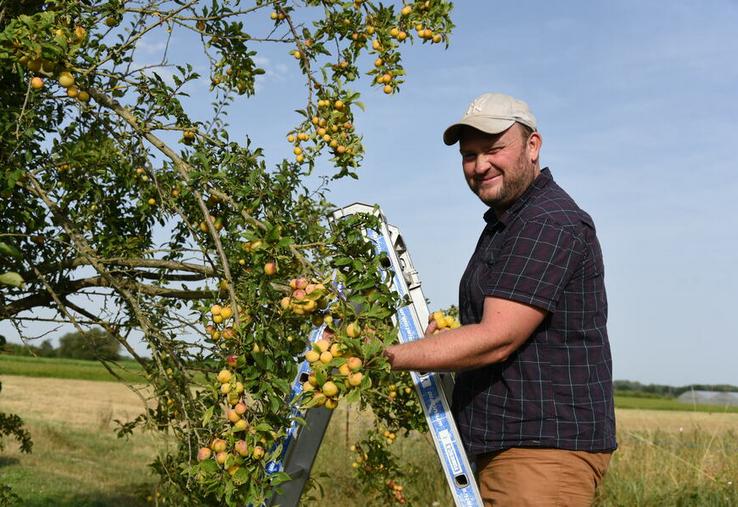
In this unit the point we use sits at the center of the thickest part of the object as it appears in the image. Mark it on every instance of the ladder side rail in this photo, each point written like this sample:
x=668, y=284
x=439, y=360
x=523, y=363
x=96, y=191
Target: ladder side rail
x=301, y=442
x=418, y=299
x=454, y=460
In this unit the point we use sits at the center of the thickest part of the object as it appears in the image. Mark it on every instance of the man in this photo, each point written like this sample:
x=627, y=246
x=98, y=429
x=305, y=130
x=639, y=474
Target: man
x=533, y=394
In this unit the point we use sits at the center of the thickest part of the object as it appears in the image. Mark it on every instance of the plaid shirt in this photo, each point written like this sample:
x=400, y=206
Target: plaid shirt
x=556, y=389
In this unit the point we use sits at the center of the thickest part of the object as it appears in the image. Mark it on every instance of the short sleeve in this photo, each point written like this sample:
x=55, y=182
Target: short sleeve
x=534, y=264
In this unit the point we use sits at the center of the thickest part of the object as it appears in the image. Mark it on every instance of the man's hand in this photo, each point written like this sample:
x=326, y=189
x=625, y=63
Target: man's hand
x=432, y=326
x=505, y=326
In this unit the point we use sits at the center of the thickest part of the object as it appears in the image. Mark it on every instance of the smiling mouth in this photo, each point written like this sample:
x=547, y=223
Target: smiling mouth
x=489, y=179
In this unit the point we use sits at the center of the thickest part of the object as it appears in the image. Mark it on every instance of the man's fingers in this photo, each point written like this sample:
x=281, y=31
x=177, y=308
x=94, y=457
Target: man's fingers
x=431, y=328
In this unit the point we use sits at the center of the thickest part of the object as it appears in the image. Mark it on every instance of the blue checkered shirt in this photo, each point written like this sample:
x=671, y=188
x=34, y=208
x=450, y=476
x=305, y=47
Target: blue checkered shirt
x=555, y=391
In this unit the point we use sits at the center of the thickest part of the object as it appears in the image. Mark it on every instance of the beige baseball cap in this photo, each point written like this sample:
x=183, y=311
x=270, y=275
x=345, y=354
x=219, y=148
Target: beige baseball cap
x=491, y=113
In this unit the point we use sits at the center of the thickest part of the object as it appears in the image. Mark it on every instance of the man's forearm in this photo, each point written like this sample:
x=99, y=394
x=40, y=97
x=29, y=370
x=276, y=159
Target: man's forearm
x=505, y=326
x=463, y=348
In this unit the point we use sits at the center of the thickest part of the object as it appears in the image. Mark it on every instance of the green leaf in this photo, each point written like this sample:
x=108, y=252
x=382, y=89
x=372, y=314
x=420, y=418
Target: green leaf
x=208, y=466
x=207, y=416
x=241, y=476
x=353, y=396
x=10, y=250
x=279, y=478
x=11, y=278
x=342, y=261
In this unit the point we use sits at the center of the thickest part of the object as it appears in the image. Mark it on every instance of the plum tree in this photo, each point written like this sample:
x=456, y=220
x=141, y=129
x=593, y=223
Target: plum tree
x=159, y=228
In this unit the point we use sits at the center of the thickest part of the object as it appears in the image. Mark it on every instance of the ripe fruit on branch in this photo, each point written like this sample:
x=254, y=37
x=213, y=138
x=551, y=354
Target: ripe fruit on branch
x=284, y=303
x=312, y=356
x=270, y=268
x=444, y=322
x=80, y=33
x=221, y=457
x=232, y=360
x=66, y=79
x=353, y=330
x=355, y=379
x=258, y=452
x=224, y=376
x=241, y=447
x=298, y=283
x=204, y=453
x=330, y=389
x=37, y=83
x=298, y=294
x=233, y=416
x=336, y=349
x=188, y=136
x=241, y=425
x=218, y=445
x=319, y=399
x=354, y=363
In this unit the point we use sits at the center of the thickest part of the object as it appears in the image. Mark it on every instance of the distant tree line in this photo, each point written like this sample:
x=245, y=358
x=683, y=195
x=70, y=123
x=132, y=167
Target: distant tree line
x=95, y=344
x=632, y=388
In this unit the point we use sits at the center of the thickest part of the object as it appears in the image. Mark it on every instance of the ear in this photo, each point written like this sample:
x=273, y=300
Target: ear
x=534, y=146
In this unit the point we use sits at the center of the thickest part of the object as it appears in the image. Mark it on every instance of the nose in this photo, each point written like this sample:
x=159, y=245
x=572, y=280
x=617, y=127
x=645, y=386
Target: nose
x=481, y=164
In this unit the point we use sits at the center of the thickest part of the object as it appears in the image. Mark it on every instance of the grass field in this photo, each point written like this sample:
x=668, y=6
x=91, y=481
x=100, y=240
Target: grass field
x=29, y=366
x=634, y=402
x=666, y=457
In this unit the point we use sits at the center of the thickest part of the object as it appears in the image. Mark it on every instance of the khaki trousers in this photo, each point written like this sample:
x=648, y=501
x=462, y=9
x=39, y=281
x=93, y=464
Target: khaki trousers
x=521, y=477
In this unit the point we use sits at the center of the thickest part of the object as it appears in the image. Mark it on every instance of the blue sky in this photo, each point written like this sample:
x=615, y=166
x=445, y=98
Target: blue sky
x=637, y=103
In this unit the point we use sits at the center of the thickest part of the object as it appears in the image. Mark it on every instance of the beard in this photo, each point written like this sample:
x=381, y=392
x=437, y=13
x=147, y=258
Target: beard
x=514, y=183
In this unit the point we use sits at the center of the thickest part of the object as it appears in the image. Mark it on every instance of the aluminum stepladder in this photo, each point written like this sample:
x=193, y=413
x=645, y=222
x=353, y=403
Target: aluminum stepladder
x=302, y=442
x=433, y=388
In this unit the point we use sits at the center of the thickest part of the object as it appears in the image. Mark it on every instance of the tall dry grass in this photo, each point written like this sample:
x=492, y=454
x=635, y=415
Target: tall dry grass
x=673, y=458
x=666, y=458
